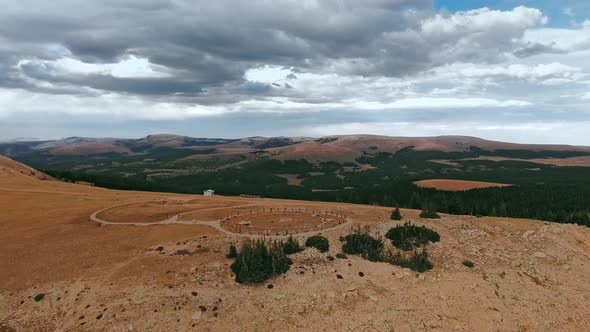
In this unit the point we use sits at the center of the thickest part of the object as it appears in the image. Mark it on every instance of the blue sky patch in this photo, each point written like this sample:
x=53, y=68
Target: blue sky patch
x=562, y=13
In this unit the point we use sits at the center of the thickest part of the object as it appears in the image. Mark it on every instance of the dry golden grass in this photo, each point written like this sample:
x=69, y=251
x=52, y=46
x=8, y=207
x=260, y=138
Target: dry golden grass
x=582, y=161
x=278, y=221
x=457, y=185
x=145, y=212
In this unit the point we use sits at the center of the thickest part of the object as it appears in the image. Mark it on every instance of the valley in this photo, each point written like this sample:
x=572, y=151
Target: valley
x=548, y=182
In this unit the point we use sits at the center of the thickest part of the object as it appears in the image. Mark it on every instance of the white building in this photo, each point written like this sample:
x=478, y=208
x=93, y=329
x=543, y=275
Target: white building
x=208, y=192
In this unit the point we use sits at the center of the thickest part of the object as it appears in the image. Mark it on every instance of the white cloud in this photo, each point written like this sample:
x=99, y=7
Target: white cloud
x=483, y=20
x=267, y=74
x=531, y=73
x=125, y=107
x=111, y=105
x=130, y=67
x=439, y=103
x=561, y=39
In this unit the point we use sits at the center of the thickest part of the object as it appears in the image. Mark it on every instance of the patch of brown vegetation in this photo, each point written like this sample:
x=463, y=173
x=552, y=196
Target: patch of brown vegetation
x=350, y=147
x=457, y=185
x=9, y=168
x=283, y=221
x=88, y=148
x=145, y=212
x=581, y=161
x=446, y=162
x=292, y=179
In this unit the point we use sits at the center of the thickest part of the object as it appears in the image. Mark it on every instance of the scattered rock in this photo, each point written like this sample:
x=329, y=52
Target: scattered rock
x=183, y=252
x=197, y=315
x=39, y=297
x=194, y=293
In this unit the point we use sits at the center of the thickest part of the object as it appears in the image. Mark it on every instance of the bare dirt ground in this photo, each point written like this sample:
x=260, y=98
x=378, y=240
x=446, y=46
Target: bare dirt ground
x=292, y=179
x=289, y=220
x=528, y=275
x=457, y=185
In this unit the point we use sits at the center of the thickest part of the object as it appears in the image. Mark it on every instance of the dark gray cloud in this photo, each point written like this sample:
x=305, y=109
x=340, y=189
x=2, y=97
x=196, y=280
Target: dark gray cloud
x=253, y=32
x=212, y=43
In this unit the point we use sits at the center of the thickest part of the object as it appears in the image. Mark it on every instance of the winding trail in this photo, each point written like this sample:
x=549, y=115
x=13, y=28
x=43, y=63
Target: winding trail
x=211, y=223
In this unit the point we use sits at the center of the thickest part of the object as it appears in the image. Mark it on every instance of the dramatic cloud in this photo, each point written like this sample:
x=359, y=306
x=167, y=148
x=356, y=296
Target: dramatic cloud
x=168, y=62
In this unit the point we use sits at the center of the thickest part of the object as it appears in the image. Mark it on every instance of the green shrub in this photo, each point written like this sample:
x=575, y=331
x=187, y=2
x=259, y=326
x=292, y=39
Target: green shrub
x=373, y=249
x=469, y=264
x=416, y=261
x=363, y=244
x=291, y=246
x=233, y=251
x=396, y=214
x=341, y=256
x=319, y=242
x=408, y=236
x=429, y=214
x=259, y=260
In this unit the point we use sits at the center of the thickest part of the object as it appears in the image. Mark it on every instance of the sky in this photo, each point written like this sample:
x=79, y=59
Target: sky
x=510, y=70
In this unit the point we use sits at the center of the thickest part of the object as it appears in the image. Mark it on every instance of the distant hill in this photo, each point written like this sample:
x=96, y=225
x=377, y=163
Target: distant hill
x=331, y=148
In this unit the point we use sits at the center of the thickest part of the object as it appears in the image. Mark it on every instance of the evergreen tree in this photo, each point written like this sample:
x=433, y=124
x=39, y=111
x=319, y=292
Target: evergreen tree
x=257, y=261
x=291, y=246
x=396, y=214
x=233, y=251
x=319, y=242
x=429, y=214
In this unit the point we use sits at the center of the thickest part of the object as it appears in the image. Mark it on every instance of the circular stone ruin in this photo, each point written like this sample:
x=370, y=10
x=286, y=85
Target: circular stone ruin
x=282, y=221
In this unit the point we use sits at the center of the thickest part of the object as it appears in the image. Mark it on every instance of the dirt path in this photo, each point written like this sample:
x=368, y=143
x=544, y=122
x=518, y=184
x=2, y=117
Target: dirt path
x=58, y=192
x=211, y=223
x=169, y=221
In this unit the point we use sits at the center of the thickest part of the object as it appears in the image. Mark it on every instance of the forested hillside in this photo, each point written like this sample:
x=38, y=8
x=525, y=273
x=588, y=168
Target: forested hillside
x=540, y=191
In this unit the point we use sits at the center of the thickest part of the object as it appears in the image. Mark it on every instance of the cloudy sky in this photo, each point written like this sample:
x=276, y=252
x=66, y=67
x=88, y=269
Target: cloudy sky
x=514, y=70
